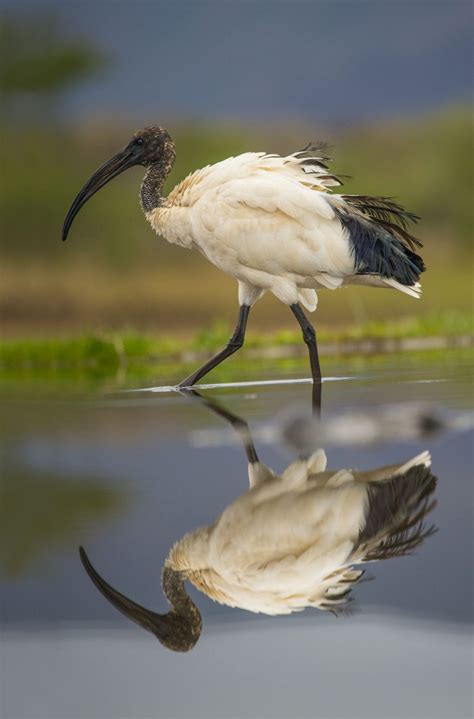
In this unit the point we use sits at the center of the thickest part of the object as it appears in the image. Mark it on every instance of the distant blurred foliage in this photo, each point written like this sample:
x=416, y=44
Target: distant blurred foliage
x=36, y=58
x=49, y=166
x=425, y=162
x=114, y=271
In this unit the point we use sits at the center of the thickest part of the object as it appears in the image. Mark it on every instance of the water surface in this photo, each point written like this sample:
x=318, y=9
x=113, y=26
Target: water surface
x=126, y=474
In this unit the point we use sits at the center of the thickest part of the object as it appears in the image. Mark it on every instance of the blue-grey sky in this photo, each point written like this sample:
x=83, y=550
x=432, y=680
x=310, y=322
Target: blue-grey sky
x=327, y=60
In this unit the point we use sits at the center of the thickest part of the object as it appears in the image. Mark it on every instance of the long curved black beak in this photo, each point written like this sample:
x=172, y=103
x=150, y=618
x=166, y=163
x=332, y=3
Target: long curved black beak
x=158, y=624
x=118, y=163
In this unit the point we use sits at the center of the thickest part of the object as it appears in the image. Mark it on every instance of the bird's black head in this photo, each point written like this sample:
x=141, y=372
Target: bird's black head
x=178, y=630
x=150, y=146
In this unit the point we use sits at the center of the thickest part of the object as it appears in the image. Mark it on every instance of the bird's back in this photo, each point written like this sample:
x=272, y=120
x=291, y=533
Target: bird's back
x=272, y=548
x=272, y=222
x=291, y=540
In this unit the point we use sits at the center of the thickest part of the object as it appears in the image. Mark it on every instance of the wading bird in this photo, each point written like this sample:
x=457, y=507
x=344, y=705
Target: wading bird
x=271, y=223
x=291, y=541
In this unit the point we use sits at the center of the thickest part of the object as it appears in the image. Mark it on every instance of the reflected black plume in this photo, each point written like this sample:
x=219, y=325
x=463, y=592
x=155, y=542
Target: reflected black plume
x=397, y=509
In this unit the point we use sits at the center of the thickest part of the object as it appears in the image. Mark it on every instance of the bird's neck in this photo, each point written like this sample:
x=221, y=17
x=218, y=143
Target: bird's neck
x=181, y=603
x=152, y=186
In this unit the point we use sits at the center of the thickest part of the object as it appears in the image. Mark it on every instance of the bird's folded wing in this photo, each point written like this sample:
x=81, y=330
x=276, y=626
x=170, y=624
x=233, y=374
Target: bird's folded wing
x=271, y=223
x=272, y=191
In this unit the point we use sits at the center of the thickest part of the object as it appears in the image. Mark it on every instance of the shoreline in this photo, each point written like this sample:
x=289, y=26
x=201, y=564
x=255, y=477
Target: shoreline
x=109, y=352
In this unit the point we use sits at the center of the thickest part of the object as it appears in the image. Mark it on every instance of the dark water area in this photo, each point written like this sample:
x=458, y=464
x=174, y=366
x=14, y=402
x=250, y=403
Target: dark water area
x=128, y=473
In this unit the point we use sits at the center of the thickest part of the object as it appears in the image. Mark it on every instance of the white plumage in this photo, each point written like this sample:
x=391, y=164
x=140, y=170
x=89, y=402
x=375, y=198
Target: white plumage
x=291, y=541
x=271, y=223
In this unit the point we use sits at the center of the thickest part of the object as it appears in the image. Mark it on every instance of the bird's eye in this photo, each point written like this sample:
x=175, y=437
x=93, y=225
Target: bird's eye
x=139, y=141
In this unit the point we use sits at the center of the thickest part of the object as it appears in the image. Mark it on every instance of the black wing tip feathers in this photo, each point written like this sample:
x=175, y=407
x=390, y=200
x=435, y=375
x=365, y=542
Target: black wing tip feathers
x=378, y=207
x=317, y=146
x=397, y=512
x=315, y=155
x=380, y=241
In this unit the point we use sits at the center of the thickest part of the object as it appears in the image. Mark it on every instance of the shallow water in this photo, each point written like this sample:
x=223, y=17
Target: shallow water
x=126, y=474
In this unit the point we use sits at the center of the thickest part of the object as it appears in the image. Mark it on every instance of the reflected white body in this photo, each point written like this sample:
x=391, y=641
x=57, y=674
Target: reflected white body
x=268, y=221
x=290, y=541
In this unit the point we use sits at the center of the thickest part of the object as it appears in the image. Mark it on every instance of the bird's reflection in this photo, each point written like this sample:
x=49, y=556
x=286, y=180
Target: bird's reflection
x=292, y=540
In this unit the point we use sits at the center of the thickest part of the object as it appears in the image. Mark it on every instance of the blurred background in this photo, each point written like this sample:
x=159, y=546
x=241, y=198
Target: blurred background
x=386, y=83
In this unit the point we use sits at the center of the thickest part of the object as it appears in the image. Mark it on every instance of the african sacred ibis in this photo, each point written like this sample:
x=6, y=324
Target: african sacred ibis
x=290, y=542
x=271, y=223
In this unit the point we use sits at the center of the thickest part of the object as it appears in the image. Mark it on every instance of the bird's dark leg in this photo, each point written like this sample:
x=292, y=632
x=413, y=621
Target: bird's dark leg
x=238, y=424
x=234, y=344
x=309, y=336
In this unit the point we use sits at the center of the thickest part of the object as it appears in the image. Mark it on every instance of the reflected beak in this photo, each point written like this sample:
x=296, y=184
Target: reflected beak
x=118, y=163
x=158, y=624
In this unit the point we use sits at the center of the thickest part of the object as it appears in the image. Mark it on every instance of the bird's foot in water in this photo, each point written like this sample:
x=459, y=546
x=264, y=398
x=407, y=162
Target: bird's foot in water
x=187, y=383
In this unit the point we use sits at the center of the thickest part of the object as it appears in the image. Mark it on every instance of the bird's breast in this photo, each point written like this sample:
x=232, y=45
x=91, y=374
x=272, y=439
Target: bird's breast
x=173, y=224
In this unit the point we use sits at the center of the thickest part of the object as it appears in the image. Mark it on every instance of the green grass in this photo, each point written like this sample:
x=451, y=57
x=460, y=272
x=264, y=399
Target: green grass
x=109, y=352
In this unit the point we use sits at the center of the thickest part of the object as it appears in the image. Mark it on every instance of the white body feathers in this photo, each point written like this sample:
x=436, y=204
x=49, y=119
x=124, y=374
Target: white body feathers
x=290, y=541
x=270, y=222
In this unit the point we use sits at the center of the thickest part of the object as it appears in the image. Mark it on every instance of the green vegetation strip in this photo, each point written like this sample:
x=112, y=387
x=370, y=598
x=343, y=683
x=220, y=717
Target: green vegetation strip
x=110, y=351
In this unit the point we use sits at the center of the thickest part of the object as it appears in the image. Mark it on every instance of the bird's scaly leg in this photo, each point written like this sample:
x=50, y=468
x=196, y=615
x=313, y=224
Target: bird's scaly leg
x=234, y=344
x=309, y=336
